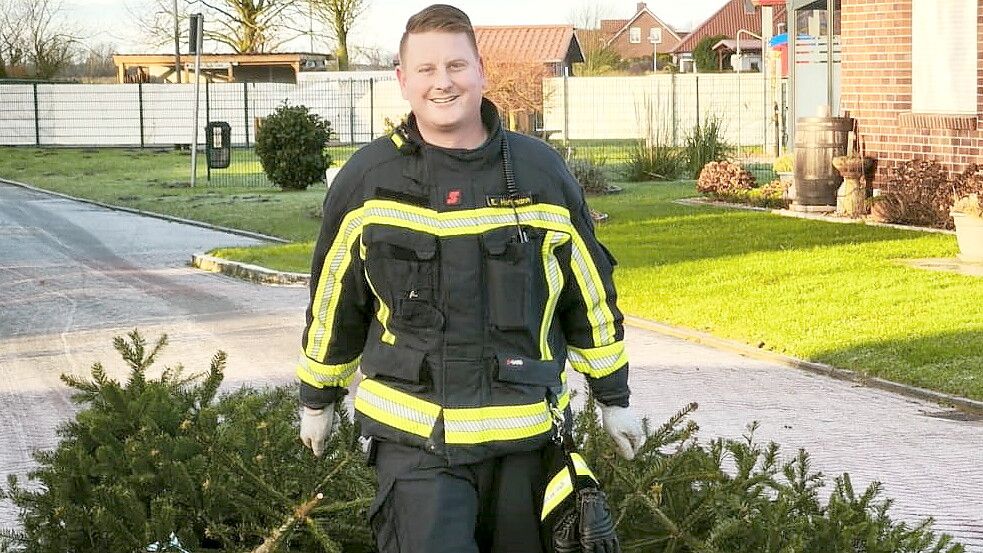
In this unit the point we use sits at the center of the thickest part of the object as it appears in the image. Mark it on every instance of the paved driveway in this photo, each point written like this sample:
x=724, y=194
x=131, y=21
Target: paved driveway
x=73, y=276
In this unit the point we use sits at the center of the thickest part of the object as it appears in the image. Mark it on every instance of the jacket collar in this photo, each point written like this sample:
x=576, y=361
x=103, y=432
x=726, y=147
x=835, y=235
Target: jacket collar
x=488, y=153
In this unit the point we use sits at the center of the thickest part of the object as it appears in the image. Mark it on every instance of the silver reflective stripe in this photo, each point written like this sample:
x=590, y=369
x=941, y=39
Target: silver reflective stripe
x=504, y=423
x=452, y=223
x=394, y=408
x=330, y=271
x=332, y=380
x=592, y=292
x=602, y=364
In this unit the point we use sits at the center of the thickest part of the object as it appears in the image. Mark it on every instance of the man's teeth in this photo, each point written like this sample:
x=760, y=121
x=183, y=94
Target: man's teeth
x=443, y=100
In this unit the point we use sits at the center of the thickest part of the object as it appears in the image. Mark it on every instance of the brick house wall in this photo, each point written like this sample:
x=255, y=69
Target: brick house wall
x=877, y=90
x=623, y=46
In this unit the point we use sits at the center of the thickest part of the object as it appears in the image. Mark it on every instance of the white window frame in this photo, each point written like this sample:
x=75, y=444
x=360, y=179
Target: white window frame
x=944, y=57
x=655, y=33
x=635, y=35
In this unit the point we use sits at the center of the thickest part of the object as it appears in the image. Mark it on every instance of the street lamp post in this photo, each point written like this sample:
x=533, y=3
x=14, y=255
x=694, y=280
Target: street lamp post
x=197, y=29
x=655, y=37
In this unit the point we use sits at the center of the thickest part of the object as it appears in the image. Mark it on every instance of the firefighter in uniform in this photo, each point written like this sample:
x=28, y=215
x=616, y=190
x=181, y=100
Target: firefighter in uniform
x=458, y=269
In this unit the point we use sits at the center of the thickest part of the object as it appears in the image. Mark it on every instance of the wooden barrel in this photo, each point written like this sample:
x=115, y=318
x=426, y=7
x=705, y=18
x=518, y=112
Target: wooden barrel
x=817, y=141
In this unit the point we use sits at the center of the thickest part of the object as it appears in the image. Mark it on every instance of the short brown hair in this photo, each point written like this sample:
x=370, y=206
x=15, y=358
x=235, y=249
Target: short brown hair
x=439, y=17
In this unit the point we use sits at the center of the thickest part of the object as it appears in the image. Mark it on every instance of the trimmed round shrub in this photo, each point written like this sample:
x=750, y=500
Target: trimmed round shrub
x=290, y=144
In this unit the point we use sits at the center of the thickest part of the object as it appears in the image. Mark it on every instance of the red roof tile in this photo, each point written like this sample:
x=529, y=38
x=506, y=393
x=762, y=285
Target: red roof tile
x=538, y=43
x=611, y=26
x=727, y=21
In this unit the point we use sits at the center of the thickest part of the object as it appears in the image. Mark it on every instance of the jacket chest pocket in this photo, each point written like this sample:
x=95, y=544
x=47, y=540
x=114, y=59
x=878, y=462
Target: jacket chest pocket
x=402, y=268
x=517, y=288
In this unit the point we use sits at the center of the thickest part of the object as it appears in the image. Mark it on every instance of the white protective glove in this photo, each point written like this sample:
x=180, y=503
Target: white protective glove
x=625, y=428
x=315, y=427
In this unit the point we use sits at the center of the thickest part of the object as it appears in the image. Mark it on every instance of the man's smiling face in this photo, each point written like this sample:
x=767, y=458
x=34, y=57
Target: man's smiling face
x=442, y=77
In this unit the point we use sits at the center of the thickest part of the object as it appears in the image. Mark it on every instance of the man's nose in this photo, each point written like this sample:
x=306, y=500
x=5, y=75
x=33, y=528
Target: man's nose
x=442, y=79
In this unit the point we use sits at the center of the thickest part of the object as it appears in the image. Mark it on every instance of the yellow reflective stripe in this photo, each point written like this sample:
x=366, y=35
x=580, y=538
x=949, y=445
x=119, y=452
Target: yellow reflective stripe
x=557, y=490
x=592, y=289
x=505, y=422
x=320, y=375
x=328, y=293
x=396, y=409
x=598, y=362
x=467, y=221
x=561, y=485
x=564, y=398
x=382, y=314
x=580, y=465
x=554, y=280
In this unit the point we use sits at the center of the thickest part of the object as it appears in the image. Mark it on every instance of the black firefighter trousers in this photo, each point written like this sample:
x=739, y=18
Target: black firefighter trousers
x=426, y=506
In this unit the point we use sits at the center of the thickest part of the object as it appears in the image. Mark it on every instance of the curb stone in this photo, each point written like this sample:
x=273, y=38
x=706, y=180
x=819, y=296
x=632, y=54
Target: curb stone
x=964, y=404
x=245, y=271
x=171, y=218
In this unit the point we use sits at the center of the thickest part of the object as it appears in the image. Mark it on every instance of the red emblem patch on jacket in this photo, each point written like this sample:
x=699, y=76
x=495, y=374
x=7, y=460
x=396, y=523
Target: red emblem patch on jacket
x=453, y=197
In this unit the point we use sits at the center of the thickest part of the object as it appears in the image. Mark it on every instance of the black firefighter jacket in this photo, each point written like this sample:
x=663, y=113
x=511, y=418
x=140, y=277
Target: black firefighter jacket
x=461, y=329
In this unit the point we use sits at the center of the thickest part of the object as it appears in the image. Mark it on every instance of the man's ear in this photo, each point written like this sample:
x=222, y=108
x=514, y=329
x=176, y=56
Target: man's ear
x=481, y=72
x=401, y=78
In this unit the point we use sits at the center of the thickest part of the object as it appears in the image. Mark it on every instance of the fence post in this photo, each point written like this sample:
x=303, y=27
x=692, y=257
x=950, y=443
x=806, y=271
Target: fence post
x=140, y=101
x=697, y=100
x=351, y=109
x=672, y=107
x=208, y=119
x=566, y=110
x=37, y=120
x=245, y=109
x=371, y=108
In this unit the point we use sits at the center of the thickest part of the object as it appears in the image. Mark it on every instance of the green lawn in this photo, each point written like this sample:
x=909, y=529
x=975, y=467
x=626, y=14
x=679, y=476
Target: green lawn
x=827, y=292
x=822, y=291
x=156, y=180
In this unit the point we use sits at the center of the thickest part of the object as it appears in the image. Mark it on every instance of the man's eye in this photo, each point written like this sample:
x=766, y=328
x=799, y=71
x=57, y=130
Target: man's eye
x=425, y=70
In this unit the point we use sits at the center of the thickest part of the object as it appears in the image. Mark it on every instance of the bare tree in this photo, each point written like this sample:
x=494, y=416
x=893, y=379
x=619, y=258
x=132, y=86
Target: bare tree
x=250, y=26
x=599, y=57
x=339, y=16
x=13, y=41
x=375, y=58
x=245, y=26
x=35, y=36
x=517, y=89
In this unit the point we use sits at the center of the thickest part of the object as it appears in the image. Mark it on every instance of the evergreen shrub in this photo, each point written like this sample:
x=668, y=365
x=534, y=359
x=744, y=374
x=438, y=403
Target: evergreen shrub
x=153, y=457
x=291, y=145
x=166, y=461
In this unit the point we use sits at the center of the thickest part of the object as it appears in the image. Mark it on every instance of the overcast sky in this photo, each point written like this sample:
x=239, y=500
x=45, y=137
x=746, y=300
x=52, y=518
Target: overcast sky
x=110, y=21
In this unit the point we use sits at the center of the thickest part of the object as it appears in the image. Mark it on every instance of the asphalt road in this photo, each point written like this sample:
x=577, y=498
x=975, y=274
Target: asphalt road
x=73, y=276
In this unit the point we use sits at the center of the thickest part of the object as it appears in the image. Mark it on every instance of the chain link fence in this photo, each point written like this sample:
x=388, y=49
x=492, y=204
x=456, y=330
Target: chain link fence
x=602, y=119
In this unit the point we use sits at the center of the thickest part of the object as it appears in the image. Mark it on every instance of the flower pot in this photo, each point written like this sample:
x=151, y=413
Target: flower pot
x=850, y=167
x=969, y=234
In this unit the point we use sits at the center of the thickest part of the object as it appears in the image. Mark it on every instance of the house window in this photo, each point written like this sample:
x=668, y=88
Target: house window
x=635, y=35
x=943, y=57
x=655, y=35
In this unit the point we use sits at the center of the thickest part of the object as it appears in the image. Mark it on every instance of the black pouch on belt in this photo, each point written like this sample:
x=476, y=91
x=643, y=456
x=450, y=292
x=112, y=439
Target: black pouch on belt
x=576, y=516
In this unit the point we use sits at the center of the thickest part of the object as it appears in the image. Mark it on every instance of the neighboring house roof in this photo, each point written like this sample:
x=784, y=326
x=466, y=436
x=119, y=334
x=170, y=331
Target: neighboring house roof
x=729, y=19
x=644, y=9
x=612, y=26
x=747, y=45
x=529, y=43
